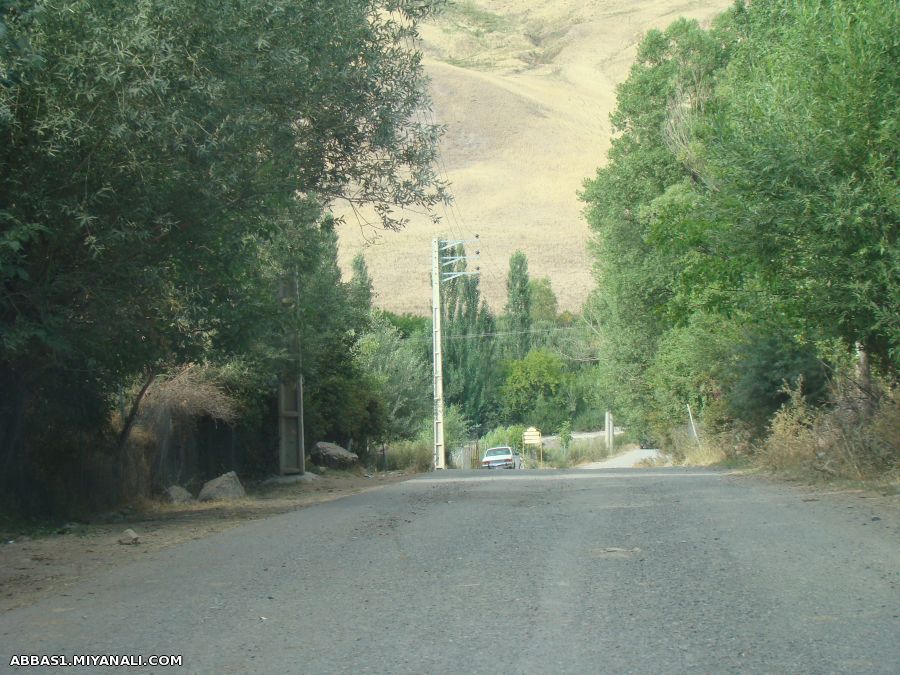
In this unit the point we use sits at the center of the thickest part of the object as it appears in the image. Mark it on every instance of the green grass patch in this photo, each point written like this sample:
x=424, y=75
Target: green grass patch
x=410, y=456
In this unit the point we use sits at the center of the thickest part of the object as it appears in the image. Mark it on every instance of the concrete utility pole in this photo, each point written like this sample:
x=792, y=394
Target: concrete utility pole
x=610, y=432
x=438, y=261
x=291, y=445
x=437, y=357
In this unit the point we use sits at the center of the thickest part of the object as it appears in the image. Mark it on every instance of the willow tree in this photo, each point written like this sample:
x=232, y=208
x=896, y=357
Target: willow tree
x=154, y=158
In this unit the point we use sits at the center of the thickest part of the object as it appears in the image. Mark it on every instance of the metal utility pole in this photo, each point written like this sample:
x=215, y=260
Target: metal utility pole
x=438, y=261
x=693, y=426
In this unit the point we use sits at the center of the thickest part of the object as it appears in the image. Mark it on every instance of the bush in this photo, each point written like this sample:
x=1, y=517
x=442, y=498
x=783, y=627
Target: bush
x=580, y=451
x=764, y=363
x=503, y=436
x=845, y=439
x=410, y=456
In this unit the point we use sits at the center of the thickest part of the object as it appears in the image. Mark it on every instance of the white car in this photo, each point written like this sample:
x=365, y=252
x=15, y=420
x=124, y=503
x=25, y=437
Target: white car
x=501, y=458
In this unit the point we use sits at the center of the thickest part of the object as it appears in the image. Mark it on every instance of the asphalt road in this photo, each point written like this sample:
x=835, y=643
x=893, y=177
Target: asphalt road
x=580, y=571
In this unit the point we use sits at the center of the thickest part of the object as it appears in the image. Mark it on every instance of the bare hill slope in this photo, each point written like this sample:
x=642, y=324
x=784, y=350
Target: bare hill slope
x=525, y=88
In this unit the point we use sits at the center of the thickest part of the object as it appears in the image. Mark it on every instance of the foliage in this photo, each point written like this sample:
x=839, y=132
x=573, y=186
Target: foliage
x=409, y=325
x=634, y=304
x=418, y=454
x=565, y=435
x=412, y=455
x=543, y=305
x=510, y=437
x=581, y=451
x=360, y=292
x=470, y=366
x=165, y=166
x=763, y=362
x=800, y=144
x=842, y=439
x=401, y=377
x=745, y=222
x=532, y=387
x=518, y=305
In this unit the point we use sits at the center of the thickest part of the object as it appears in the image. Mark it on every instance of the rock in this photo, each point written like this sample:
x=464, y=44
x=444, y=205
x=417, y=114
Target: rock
x=129, y=537
x=178, y=495
x=333, y=455
x=225, y=487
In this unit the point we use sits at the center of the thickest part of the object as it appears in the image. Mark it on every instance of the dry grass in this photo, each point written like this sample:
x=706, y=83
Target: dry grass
x=191, y=391
x=706, y=453
x=583, y=451
x=525, y=88
x=844, y=440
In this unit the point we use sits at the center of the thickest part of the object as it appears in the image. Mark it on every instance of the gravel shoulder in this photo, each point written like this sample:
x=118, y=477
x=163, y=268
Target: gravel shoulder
x=49, y=563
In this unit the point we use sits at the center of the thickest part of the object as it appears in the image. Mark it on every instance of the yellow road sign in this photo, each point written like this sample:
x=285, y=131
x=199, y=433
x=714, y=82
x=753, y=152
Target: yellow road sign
x=531, y=436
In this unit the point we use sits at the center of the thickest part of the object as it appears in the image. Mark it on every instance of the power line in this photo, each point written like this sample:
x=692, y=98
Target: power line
x=473, y=336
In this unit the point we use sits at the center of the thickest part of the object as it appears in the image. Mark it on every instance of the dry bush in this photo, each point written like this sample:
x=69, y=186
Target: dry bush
x=791, y=443
x=586, y=450
x=683, y=449
x=162, y=443
x=190, y=392
x=708, y=453
x=856, y=436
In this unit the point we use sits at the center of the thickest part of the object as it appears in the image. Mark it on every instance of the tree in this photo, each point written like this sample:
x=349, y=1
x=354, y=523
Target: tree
x=154, y=156
x=801, y=146
x=402, y=376
x=536, y=383
x=637, y=299
x=750, y=192
x=543, y=303
x=518, y=305
x=360, y=291
x=470, y=365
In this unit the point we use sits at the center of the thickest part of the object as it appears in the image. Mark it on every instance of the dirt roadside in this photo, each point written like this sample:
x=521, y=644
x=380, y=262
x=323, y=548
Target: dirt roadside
x=48, y=563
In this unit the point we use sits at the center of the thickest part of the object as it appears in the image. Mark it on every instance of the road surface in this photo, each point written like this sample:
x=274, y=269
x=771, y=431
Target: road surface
x=627, y=460
x=581, y=571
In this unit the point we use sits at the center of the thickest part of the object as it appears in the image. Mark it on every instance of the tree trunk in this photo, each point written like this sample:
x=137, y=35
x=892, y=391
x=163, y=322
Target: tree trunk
x=867, y=394
x=132, y=415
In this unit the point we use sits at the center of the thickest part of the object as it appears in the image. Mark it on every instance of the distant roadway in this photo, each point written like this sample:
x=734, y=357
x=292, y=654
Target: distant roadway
x=580, y=571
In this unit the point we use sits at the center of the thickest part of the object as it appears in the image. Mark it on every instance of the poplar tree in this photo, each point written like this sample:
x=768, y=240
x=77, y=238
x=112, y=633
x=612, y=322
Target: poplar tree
x=518, y=305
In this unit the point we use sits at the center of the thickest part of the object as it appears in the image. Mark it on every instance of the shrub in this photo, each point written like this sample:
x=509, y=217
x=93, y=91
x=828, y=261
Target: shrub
x=844, y=439
x=410, y=456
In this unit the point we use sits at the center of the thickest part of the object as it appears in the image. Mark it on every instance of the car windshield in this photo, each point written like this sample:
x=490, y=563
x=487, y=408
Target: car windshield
x=497, y=451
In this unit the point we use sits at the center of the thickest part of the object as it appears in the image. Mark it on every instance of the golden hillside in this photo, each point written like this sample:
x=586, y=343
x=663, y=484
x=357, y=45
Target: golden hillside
x=525, y=88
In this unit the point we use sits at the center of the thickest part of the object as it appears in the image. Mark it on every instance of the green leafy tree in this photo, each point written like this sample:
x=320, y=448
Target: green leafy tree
x=471, y=374
x=751, y=192
x=361, y=292
x=635, y=302
x=153, y=156
x=518, y=305
x=800, y=147
x=535, y=383
x=543, y=303
x=402, y=375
